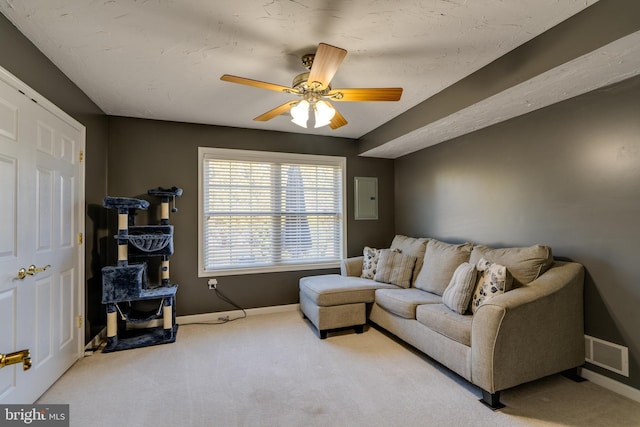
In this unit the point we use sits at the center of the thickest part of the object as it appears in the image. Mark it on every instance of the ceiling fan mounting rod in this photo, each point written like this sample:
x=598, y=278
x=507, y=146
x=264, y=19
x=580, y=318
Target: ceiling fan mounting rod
x=307, y=60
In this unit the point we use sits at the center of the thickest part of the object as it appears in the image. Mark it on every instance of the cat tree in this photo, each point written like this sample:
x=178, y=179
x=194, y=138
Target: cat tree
x=126, y=283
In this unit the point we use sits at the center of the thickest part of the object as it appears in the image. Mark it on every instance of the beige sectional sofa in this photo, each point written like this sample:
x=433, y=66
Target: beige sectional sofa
x=531, y=328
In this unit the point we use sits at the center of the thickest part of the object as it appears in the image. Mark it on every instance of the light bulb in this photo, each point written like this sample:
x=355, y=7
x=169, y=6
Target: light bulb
x=300, y=113
x=324, y=113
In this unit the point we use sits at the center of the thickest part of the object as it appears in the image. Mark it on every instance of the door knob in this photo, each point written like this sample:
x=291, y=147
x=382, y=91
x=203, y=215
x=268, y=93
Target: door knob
x=22, y=356
x=32, y=270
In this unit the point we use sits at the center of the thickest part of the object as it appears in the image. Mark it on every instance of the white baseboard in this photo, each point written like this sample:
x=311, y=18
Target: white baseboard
x=610, y=384
x=196, y=318
x=234, y=314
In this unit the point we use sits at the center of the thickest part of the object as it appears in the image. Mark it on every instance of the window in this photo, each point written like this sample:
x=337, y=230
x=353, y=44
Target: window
x=264, y=211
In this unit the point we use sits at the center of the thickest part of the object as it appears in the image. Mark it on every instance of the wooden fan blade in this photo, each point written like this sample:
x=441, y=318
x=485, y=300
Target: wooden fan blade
x=276, y=111
x=325, y=64
x=338, y=120
x=366, y=94
x=257, y=83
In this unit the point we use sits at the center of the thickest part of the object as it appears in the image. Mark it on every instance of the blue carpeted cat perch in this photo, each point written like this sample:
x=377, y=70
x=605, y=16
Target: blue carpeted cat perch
x=126, y=283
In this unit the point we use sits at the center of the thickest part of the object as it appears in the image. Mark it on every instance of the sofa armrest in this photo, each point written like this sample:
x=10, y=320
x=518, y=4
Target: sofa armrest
x=352, y=266
x=530, y=332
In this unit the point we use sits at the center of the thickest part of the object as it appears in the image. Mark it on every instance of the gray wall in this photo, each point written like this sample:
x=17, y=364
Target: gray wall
x=22, y=59
x=567, y=176
x=145, y=153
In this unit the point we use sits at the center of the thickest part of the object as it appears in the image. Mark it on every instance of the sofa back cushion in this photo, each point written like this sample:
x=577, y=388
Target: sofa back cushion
x=395, y=268
x=440, y=261
x=524, y=263
x=411, y=246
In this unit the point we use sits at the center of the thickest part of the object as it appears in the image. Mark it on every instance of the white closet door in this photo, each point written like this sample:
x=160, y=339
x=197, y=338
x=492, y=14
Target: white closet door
x=41, y=221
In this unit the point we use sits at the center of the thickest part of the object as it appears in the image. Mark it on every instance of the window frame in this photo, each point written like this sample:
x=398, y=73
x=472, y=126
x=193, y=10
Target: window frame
x=275, y=157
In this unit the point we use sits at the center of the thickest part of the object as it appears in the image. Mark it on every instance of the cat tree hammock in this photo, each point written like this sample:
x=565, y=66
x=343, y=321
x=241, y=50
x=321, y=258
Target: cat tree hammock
x=126, y=283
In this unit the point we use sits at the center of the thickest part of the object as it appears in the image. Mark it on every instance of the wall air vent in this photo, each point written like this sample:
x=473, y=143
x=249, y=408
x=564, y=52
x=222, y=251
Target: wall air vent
x=607, y=355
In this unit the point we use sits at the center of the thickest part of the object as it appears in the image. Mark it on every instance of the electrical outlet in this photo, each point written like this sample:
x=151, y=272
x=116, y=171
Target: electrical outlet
x=212, y=283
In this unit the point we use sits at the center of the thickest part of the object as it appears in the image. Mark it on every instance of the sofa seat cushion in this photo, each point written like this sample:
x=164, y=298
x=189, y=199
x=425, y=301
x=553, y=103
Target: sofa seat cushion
x=441, y=319
x=333, y=289
x=403, y=302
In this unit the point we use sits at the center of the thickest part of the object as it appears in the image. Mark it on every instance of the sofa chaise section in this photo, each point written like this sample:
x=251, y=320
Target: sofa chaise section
x=334, y=301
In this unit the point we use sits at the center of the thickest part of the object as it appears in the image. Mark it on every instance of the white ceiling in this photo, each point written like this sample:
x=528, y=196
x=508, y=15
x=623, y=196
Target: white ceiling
x=162, y=59
x=614, y=62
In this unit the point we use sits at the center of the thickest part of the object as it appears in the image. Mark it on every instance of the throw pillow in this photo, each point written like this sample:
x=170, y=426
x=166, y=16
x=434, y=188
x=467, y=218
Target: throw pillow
x=440, y=261
x=493, y=280
x=460, y=289
x=370, y=262
x=395, y=268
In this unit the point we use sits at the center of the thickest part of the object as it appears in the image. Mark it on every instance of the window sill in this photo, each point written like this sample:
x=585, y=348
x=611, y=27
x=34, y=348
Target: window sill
x=268, y=269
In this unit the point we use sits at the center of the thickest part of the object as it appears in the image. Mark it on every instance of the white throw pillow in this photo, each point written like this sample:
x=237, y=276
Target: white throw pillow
x=460, y=289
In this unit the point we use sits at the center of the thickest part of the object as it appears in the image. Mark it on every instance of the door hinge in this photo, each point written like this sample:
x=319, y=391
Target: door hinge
x=79, y=238
x=81, y=156
x=80, y=321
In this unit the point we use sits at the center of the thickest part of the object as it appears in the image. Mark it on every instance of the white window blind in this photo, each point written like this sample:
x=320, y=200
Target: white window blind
x=267, y=211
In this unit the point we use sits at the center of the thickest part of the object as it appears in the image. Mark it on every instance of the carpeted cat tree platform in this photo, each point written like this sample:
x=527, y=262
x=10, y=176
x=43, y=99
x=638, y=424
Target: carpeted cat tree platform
x=126, y=283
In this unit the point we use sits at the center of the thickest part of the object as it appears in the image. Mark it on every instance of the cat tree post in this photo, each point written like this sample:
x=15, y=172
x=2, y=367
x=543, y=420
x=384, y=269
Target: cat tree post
x=168, y=317
x=123, y=232
x=112, y=325
x=165, y=270
x=164, y=220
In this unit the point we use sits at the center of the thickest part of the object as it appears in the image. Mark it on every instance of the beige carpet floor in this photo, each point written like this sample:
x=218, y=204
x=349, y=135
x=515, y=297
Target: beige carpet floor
x=272, y=370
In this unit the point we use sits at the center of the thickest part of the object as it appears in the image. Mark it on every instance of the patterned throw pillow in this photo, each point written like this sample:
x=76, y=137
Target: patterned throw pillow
x=370, y=262
x=460, y=289
x=494, y=279
x=395, y=268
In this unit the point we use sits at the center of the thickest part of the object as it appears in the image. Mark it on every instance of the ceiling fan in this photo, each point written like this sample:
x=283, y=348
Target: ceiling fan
x=314, y=87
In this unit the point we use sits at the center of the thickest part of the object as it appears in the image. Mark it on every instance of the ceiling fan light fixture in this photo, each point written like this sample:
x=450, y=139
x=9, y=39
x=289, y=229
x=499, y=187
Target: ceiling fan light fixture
x=300, y=113
x=324, y=113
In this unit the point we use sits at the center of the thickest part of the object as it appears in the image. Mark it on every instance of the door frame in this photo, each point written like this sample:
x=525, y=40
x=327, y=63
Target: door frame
x=30, y=93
